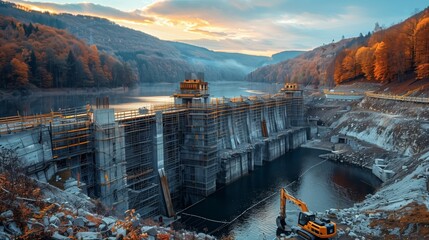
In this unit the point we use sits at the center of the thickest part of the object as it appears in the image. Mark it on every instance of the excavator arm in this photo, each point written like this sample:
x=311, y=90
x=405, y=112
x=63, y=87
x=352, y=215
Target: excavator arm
x=309, y=227
x=284, y=195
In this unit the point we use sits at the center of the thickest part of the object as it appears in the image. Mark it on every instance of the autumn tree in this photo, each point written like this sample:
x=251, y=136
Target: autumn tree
x=52, y=58
x=422, y=49
x=365, y=59
x=19, y=72
x=338, y=72
x=381, y=66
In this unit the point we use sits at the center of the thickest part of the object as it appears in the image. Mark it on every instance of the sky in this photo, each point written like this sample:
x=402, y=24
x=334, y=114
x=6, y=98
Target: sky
x=258, y=27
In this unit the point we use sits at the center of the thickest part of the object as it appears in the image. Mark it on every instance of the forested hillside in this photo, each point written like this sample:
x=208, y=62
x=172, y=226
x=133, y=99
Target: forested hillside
x=313, y=68
x=392, y=56
x=151, y=59
x=395, y=54
x=51, y=58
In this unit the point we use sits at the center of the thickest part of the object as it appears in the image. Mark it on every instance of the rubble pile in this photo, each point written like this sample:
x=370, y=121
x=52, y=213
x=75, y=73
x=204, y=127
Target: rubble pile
x=398, y=209
x=75, y=219
x=60, y=223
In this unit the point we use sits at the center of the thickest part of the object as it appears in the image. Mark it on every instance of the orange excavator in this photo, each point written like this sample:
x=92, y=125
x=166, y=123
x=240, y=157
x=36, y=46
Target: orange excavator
x=309, y=227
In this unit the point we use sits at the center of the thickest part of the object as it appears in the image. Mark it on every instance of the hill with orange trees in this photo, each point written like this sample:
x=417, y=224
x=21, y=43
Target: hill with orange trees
x=313, y=68
x=397, y=56
x=389, y=55
x=51, y=58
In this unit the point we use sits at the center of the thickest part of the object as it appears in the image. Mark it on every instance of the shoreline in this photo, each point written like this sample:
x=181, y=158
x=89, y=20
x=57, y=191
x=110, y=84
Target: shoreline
x=339, y=158
x=318, y=145
x=34, y=93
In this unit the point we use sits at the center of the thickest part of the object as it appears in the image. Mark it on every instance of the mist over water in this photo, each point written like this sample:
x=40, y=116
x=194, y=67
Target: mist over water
x=143, y=96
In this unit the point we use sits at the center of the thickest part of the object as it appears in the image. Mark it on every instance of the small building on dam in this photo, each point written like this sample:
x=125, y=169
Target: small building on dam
x=161, y=159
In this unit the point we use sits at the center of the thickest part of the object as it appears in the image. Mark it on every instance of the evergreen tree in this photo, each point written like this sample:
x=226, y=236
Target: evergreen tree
x=71, y=71
x=32, y=64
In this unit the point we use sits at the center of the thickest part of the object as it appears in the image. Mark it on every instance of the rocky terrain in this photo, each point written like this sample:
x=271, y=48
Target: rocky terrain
x=396, y=132
x=36, y=210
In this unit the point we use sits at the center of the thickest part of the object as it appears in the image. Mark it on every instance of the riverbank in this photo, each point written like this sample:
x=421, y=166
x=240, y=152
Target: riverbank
x=39, y=92
x=318, y=144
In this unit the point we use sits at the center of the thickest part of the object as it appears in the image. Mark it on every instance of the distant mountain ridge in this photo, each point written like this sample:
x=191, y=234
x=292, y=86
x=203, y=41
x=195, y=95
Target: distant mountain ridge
x=152, y=59
x=313, y=68
x=397, y=57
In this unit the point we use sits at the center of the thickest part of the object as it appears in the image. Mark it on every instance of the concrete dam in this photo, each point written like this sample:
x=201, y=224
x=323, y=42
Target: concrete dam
x=161, y=159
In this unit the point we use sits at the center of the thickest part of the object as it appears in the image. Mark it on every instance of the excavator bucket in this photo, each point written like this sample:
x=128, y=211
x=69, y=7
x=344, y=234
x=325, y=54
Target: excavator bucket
x=282, y=227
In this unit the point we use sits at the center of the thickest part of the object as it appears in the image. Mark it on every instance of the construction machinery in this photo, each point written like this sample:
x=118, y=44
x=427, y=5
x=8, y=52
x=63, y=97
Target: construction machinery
x=309, y=227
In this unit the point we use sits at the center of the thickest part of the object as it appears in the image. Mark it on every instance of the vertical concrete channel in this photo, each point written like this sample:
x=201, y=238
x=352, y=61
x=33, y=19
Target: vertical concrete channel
x=159, y=161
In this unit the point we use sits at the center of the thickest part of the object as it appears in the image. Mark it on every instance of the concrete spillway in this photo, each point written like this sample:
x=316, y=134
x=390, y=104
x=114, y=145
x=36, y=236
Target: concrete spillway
x=169, y=156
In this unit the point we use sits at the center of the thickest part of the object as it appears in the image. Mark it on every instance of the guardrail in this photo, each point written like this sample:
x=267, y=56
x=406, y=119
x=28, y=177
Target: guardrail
x=397, y=98
x=343, y=93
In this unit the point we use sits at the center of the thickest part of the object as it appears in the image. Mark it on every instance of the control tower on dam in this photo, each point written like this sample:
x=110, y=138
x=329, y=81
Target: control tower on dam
x=163, y=158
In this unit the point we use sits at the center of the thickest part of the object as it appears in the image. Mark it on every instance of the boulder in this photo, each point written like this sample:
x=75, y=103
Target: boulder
x=201, y=236
x=91, y=224
x=151, y=231
x=53, y=226
x=121, y=231
x=102, y=227
x=60, y=215
x=108, y=220
x=33, y=224
x=5, y=236
x=55, y=220
x=89, y=236
x=79, y=222
x=81, y=212
x=7, y=214
x=13, y=229
x=70, y=231
x=57, y=236
x=46, y=221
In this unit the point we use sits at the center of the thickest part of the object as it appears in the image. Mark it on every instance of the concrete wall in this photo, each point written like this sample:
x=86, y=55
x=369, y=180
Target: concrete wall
x=195, y=151
x=33, y=147
x=110, y=161
x=241, y=144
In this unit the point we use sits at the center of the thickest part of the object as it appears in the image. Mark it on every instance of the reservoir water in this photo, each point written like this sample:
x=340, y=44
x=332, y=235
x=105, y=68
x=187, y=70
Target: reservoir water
x=145, y=95
x=321, y=184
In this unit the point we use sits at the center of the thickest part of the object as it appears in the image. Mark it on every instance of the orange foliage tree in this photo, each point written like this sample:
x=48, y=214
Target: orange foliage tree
x=390, y=54
x=40, y=55
x=422, y=49
x=19, y=72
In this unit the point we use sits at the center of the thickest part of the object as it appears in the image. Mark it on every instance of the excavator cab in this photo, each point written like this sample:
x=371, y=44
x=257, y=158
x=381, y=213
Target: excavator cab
x=305, y=217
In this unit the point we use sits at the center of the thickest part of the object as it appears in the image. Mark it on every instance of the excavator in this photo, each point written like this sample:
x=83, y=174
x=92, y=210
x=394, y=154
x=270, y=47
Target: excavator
x=309, y=227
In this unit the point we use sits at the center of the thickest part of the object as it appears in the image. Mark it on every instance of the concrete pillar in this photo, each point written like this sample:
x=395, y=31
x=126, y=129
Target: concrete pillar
x=159, y=163
x=110, y=160
x=159, y=141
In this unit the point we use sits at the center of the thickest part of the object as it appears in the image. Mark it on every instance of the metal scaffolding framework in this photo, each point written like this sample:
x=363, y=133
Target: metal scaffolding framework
x=116, y=156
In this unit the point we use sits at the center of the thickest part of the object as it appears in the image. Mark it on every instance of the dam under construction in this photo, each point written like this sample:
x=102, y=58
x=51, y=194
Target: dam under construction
x=160, y=159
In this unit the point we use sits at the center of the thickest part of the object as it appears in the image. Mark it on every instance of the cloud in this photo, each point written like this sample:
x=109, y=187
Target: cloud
x=89, y=9
x=252, y=26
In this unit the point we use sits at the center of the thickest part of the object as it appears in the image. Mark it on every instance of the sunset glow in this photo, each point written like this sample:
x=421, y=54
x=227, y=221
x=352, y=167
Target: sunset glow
x=253, y=27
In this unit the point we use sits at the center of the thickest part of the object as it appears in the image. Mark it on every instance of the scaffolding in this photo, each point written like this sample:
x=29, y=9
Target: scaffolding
x=72, y=145
x=173, y=128
x=121, y=157
x=199, y=151
x=141, y=175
